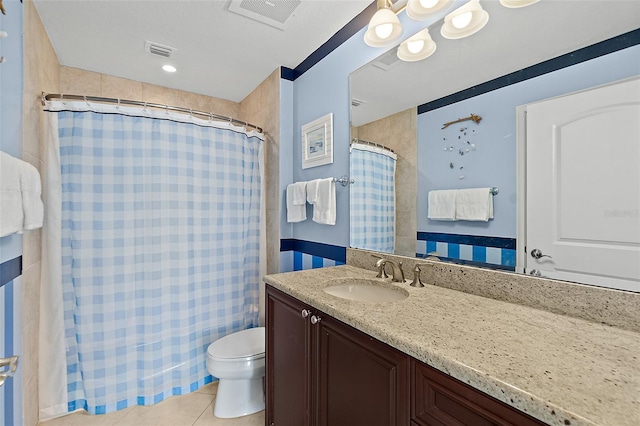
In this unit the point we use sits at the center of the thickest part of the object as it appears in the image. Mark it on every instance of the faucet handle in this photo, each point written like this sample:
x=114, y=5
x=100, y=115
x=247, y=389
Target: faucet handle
x=417, y=282
x=380, y=264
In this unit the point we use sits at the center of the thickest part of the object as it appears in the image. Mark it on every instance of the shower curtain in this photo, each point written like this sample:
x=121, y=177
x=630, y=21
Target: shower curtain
x=372, y=198
x=151, y=251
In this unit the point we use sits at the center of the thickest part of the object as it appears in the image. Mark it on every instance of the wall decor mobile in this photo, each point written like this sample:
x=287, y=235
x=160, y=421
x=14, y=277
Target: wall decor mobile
x=463, y=140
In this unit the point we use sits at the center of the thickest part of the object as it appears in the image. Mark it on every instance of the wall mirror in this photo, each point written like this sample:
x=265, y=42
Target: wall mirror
x=386, y=92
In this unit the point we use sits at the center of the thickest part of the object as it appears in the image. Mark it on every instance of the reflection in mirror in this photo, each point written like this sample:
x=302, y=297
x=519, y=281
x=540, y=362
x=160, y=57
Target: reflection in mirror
x=398, y=133
x=453, y=83
x=372, y=203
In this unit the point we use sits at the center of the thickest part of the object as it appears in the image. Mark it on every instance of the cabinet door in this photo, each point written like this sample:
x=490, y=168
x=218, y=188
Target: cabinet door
x=361, y=381
x=288, y=358
x=440, y=400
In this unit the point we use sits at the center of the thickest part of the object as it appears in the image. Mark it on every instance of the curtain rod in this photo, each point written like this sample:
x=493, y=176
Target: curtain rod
x=208, y=115
x=356, y=140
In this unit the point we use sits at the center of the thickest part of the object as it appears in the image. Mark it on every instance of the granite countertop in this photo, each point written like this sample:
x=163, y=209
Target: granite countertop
x=559, y=369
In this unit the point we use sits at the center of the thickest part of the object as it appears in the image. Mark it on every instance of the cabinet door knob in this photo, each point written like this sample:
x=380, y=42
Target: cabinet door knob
x=315, y=319
x=305, y=313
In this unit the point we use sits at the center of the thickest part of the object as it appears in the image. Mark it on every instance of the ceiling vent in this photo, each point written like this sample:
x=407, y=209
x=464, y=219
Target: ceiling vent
x=158, y=49
x=388, y=60
x=271, y=12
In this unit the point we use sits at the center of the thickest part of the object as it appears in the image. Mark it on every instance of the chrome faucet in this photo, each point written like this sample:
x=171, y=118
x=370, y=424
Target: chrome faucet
x=396, y=269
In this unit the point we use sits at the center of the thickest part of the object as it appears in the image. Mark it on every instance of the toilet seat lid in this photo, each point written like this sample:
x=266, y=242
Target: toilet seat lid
x=242, y=344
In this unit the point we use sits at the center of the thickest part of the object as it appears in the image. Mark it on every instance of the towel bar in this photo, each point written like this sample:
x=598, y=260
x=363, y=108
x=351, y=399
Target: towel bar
x=344, y=180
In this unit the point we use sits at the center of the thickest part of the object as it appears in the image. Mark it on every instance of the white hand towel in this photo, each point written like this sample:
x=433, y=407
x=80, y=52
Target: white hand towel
x=322, y=194
x=474, y=204
x=11, y=214
x=299, y=193
x=442, y=205
x=297, y=202
x=31, y=188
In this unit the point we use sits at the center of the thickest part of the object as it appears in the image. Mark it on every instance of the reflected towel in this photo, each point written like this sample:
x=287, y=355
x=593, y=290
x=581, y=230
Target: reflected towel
x=297, y=202
x=322, y=194
x=474, y=204
x=11, y=214
x=32, y=206
x=442, y=205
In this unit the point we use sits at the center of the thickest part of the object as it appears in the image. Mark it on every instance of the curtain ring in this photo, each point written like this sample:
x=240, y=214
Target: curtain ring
x=190, y=113
x=144, y=108
x=210, y=117
x=118, y=106
x=166, y=109
x=85, y=100
x=62, y=98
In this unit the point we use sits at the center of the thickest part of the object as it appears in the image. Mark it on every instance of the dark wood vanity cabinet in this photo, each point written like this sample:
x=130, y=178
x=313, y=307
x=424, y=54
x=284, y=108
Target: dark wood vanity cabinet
x=322, y=372
x=440, y=400
x=288, y=349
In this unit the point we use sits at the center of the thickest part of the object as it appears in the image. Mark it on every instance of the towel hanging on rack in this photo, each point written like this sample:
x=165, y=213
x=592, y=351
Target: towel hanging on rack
x=21, y=207
x=296, y=202
x=322, y=194
x=473, y=204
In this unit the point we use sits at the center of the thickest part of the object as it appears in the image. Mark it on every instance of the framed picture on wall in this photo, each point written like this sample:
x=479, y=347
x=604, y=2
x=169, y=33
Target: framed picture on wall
x=317, y=142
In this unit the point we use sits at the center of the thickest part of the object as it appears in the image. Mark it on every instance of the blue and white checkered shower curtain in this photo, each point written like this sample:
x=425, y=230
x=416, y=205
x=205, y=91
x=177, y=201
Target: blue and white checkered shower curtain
x=372, y=205
x=159, y=250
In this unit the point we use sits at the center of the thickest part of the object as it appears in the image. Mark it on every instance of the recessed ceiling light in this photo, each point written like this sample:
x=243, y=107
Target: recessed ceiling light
x=169, y=68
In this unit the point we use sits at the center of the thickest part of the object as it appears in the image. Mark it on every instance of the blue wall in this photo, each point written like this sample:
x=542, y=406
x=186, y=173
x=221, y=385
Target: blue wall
x=11, y=246
x=493, y=162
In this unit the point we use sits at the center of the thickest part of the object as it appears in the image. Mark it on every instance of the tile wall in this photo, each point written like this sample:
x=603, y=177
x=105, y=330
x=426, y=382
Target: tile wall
x=12, y=392
x=41, y=74
x=298, y=255
x=496, y=252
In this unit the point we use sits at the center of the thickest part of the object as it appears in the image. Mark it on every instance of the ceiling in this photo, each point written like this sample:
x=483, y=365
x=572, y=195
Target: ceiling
x=219, y=53
x=223, y=54
x=513, y=39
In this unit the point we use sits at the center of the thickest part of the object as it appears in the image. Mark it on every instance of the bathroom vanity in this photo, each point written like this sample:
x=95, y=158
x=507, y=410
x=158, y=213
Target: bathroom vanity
x=438, y=357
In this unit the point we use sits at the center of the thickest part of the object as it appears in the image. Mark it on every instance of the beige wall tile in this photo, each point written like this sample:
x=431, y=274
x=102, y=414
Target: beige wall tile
x=41, y=74
x=120, y=88
x=74, y=81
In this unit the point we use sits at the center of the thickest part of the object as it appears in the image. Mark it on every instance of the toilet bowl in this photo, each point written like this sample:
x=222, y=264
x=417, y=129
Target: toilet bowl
x=237, y=360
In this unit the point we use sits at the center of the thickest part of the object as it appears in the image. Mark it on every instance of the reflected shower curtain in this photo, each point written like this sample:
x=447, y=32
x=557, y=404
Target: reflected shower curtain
x=372, y=198
x=151, y=252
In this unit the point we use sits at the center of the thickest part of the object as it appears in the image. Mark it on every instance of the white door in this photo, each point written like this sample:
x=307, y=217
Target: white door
x=583, y=186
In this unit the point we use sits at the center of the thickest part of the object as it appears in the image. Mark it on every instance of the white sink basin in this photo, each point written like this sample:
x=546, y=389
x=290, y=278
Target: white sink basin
x=365, y=290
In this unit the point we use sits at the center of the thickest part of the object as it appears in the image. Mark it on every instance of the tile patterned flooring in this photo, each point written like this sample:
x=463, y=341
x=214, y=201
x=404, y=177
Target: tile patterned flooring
x=194, y=409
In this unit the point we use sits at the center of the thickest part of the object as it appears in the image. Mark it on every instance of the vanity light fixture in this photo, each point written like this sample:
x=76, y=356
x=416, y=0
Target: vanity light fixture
x=417, y=47
x=169, y=68
x=464, y=21
x=384, y=28
x=517, y=3
x=424, y=9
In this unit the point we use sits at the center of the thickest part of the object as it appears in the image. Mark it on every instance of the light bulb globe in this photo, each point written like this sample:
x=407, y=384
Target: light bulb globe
x=462, y=20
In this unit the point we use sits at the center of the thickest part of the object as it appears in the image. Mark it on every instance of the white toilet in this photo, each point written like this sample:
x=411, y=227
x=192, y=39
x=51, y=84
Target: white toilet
x=238, y=361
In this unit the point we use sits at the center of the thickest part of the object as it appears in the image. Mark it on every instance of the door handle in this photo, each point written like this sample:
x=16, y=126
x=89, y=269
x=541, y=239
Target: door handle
x=12, y=362
x=537, y=254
